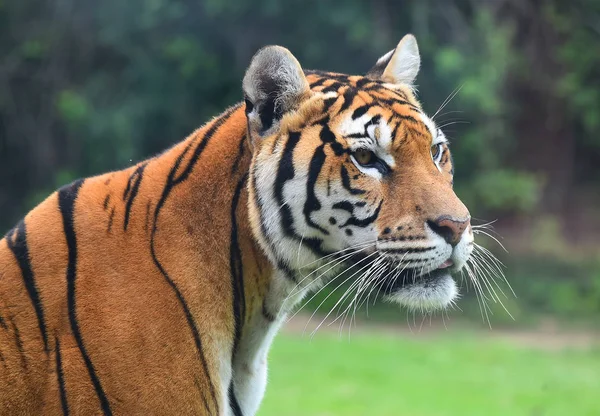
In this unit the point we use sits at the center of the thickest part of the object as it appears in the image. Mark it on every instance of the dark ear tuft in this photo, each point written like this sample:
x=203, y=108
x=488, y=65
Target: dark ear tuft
x=377, y=71
x=249, y=105
x=273, y=85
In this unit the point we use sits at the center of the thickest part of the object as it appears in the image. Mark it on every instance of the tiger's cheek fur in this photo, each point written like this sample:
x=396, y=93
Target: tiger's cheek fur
x=309, y=199
x=353, y=202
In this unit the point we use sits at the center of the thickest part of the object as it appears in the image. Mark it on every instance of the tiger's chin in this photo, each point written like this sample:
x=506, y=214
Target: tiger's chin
x=434, y=291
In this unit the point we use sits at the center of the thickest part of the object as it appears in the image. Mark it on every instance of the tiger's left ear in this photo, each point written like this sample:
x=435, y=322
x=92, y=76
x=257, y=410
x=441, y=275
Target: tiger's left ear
x=274, y=84
x=400, y=65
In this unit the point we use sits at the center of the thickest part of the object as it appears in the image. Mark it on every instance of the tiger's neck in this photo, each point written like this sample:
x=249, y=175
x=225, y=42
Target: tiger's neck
x=231, y=257
x=222, y=185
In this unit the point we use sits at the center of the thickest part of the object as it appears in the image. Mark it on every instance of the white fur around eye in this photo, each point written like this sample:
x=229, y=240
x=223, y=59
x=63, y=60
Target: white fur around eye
x=439, y=137
x=436, y=159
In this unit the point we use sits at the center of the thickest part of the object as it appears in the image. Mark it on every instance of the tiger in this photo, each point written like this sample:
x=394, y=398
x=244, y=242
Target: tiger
x=158, y=289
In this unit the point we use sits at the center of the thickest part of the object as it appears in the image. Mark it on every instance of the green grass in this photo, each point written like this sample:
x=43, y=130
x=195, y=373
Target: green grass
x=442, y=374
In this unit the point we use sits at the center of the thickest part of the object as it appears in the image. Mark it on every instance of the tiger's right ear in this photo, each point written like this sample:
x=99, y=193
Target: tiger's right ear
x=273, y=85
x=400, y=65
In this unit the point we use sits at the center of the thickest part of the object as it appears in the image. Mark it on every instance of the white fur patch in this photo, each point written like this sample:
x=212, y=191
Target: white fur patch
x=427, y=296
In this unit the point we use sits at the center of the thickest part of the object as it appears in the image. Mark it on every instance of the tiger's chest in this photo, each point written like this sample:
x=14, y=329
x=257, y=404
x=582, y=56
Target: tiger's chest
x=249, y=366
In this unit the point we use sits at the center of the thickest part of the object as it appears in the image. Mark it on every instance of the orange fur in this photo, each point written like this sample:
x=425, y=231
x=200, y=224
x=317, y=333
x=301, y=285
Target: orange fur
x=119, y=293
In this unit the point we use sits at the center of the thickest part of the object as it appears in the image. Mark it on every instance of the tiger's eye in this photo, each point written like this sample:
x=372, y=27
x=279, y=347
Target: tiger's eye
x=436, y=151
x=364, y=157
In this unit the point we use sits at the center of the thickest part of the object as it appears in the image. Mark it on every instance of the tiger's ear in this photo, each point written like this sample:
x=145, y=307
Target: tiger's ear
x=274, y=84
x=400, y=65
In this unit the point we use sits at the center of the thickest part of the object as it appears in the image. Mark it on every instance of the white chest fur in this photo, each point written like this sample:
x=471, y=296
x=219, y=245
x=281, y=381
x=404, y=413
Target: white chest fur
x=250, y=362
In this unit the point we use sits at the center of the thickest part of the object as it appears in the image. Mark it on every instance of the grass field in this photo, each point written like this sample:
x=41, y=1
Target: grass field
x=441, y=373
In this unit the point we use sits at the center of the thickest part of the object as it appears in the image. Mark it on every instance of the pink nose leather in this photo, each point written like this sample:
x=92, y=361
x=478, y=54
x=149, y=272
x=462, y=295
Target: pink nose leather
x=450, y=228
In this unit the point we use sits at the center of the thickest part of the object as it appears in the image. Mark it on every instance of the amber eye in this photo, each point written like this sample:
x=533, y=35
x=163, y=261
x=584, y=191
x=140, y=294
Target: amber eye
x=436, y=151
x=364, y=157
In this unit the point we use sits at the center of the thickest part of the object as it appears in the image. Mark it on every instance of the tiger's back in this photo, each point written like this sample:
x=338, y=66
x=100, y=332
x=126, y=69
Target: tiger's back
x=100, y=271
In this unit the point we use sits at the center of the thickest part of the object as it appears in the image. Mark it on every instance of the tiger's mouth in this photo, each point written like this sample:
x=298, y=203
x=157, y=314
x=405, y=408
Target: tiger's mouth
x=416, y=289
x=410, y=277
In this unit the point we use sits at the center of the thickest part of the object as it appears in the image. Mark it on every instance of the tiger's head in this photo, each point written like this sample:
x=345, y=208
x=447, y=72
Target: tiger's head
x=349, y=172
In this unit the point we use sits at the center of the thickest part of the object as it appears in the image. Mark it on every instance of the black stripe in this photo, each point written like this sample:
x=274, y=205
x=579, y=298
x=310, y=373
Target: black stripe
x=106, y=201
x=66, y=203
x=188, y=315
x=111, y=216
x=3, y=325
x=61, y=380
x=360, y=111
x=321, y=121
x=280, y=263
x=411, y=119
x=235, y=406
x=418, y=262
x=236, y=268
x=365, y=221
x=131, y=191
x=19, y=342
x=237, y=286
x=357, y=136
x=285, y=172
x=395, y=131
x=374, y=120
x=202, y=394
x=418, y=133
x=318, y=83
x=406, y=238
x=328, y=102
x=345, y=206
x=362, y=83
x=200, y=148
x=327, y=75
x=333, y=87
x=346, y=182
x=348, y=96
x=408, y=250
x=327, y=137
x=316, y=164
x=205, y=403
x=402, y=94
x=21, y=252
x=398, y=101
x=240, y=155
x=312, y=202
x=365, y=134
x=171, y=182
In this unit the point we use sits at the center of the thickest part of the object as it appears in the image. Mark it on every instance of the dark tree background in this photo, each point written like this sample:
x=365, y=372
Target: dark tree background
x=88, y=86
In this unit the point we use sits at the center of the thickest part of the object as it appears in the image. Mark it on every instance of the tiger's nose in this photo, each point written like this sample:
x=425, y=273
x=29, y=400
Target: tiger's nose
x=451, y=229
